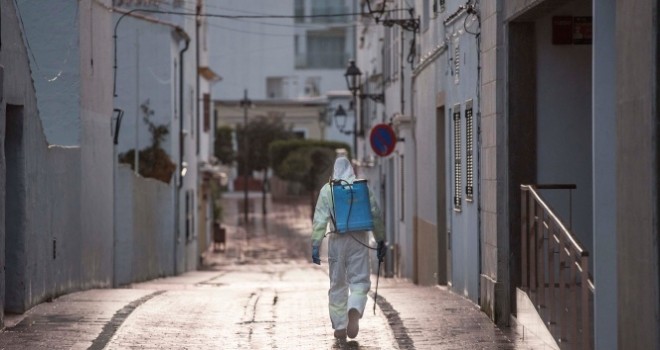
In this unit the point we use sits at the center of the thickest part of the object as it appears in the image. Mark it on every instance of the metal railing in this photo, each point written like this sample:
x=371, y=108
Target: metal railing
x=555, y=271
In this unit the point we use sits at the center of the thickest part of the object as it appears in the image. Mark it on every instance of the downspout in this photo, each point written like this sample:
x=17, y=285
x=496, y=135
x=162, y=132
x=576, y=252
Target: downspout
x=177, y=191
x=402, y=82
x=181, y=114
x=415, y=194
x=197, y=25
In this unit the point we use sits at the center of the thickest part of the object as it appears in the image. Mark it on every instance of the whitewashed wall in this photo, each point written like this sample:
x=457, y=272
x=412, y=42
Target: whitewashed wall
x=145, y=228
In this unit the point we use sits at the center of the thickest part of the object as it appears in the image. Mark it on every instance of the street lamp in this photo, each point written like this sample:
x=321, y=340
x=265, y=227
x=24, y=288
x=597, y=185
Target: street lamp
x=353, y=77
x=340, y=118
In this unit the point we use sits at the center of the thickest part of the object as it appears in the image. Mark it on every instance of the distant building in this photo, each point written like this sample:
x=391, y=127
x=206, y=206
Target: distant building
x=281, y=58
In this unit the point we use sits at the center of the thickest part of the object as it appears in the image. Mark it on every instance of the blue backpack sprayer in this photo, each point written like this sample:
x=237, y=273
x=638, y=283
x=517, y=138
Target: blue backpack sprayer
x=351, y=212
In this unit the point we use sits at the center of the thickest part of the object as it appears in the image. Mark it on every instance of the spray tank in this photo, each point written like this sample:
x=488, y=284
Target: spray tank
x=351, y=209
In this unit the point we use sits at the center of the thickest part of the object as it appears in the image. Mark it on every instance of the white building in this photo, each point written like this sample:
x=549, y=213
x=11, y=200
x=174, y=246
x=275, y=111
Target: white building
x=558, y=97
x=56, y=221
x=285, y=59
x=162, y=72
x=280, y=58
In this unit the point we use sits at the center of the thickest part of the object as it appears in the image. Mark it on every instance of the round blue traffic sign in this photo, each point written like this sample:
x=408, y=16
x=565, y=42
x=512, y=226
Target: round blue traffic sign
x=382, y=139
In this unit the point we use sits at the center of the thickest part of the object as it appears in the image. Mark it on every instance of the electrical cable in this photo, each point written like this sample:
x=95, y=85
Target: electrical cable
x=217, y=15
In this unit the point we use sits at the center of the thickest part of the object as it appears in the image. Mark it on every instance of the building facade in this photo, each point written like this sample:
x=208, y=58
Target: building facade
x=162, y=76
x=71, y=218
x=56, y=214
x=498, y=94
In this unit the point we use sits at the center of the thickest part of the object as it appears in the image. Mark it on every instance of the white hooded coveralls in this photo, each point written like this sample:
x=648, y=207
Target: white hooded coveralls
x=348, y=259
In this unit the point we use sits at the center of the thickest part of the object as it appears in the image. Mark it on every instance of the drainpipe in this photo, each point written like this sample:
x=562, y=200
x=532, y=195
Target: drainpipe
x=177, y=190
x=115, y=141
x=197, y=25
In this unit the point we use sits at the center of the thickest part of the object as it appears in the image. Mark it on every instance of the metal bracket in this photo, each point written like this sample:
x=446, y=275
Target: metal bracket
x=374, y=97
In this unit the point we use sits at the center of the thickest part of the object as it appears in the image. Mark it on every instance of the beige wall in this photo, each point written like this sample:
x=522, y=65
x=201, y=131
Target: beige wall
x=427, y=252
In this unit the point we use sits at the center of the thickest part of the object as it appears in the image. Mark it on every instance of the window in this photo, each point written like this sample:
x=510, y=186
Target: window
x=329, y=8
x=457, y=157
x=438, y=6
x=469, y=159
x=207, y=112
x=387, y=55
x=403, y=188
x=396, y=51
x=299, y=10
x=190, y=216
x=274, y=87
x=326, y=49
x=312, y=86
x=299, y=134
x=425, y=15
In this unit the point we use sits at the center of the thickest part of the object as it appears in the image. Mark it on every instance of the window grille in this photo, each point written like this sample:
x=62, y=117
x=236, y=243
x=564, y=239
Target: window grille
x=387, y=55
x=457, y=62
x=402, y=168
x=469, y=159
x=438, y=7
x=457, y=157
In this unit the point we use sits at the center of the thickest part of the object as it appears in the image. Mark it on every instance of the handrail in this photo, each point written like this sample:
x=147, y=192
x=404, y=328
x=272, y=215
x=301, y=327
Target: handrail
x=547, y=209
x=550, y=251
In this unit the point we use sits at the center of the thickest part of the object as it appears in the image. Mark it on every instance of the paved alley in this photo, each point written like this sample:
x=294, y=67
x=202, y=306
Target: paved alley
x=260, y=292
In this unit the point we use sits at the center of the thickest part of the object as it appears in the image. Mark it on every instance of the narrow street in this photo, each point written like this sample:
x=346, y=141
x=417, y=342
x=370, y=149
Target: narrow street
x=261, y=292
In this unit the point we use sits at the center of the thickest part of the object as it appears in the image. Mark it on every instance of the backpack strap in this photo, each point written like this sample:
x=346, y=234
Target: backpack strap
x=332, y=198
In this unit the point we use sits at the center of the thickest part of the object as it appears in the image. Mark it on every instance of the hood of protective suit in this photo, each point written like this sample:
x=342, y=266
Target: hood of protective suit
x=343, y=170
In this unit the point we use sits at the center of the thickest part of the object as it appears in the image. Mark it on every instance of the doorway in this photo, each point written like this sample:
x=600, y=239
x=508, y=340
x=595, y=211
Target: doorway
x=15, y=215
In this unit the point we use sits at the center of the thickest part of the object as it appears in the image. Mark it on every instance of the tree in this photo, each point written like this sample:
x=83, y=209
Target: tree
x=223, y=147
x=154, y=161
x=261, y=131
x=308, y=162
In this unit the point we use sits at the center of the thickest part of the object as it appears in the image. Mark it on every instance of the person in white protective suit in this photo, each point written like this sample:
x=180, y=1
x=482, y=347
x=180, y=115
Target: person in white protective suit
x=348, y=256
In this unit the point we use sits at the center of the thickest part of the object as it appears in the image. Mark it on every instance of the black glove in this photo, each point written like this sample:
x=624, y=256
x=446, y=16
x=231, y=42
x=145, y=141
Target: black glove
x=315, y=256
x=380, y=251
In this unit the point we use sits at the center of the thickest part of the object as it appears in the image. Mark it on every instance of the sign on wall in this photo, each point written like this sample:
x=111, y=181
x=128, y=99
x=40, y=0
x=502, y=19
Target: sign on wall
x=382, y=139
x=569, y=30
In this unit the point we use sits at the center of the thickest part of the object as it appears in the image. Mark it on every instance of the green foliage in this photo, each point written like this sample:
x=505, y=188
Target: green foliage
x=261, y=132
x=158, y=132
x=223, y=148
x=154, y=162
x=216, y=199
x=308, y=162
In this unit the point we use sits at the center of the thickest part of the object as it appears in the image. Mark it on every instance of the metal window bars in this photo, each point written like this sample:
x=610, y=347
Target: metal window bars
x=458, y=174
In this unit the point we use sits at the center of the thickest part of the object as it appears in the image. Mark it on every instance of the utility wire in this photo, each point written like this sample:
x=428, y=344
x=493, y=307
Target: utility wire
x=217, y=15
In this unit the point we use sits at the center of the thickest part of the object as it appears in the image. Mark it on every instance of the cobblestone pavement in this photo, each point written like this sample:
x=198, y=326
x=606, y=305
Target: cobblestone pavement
x=259, y=293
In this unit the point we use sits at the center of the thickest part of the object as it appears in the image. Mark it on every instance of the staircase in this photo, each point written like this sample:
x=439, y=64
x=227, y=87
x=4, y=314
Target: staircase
x=555, y=272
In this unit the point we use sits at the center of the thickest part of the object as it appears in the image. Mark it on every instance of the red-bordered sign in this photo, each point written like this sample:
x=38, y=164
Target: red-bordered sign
x=382, y=139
